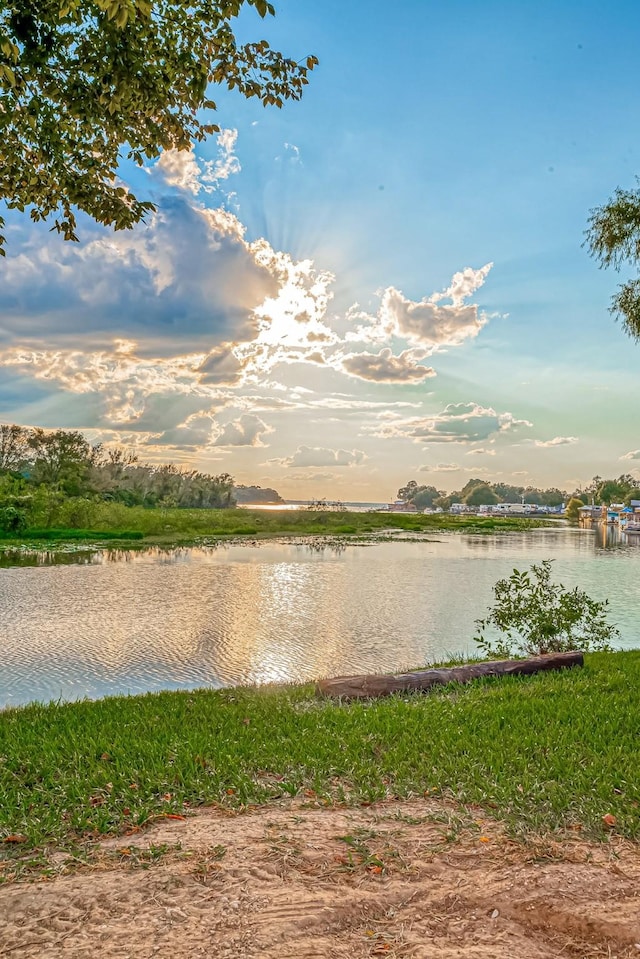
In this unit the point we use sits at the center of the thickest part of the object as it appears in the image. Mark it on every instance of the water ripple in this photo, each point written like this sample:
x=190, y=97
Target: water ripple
x=124, y=622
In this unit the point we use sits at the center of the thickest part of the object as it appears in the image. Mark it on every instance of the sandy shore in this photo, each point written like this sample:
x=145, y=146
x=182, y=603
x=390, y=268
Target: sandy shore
x=419, y=879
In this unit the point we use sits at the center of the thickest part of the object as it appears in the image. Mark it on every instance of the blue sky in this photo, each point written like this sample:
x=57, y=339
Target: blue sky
x=384, y=281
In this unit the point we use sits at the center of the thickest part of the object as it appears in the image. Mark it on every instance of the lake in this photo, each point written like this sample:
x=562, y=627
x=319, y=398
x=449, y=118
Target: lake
x=93, y=624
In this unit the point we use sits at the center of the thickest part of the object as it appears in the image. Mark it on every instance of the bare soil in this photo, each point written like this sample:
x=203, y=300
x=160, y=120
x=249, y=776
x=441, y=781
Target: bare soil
x=419, y=879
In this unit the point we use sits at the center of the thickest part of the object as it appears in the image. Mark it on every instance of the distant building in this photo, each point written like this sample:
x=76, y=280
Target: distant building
x=401, y=506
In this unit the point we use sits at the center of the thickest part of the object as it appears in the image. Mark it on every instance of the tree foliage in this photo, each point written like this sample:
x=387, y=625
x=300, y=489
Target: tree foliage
x=422, y=497
x=488, y=493
x=613, y=238
x=61, y=459
x=13, y=446
x=572, y=512
x=86, y=83
x=55, y=465
x=535, y=616
x=481, y=495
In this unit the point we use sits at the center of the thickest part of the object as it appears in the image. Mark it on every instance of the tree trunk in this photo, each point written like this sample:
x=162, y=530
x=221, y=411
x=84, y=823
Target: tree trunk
x=365, y=687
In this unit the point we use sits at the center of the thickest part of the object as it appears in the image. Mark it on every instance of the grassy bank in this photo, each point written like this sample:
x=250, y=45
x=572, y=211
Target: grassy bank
x=107, y=520
x=546, y=752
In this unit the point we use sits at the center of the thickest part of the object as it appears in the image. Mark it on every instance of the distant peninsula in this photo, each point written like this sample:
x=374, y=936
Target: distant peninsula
x=249, y=495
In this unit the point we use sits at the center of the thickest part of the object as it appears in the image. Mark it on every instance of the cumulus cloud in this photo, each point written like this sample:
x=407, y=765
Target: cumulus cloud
x=306, y=456
x=557, y=441
x=182, y=169
x=186, y=278
x=221, y=367
x=247, y=430
x=631, y=455
x=444, y=468
x=458, y=423
x=385, y=367
x=294, y=315
x=196, y=433
x=119, y=376
x=463, y=285
x=186, y=282
x=481, y=452
x=227, y=163
x=427, y=322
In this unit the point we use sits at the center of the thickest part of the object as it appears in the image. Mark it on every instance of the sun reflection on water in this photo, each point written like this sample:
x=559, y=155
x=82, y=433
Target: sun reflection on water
x=129, y=622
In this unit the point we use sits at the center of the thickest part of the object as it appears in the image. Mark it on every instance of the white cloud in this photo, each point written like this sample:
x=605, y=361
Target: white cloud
x=426, y=322
x=458, y=423
x=385, y=367
x=182, y=169
x=294, y=152
x=187, y=279
x=121, y=378
x=294, y=316
x=481, y=452
x=306, y=456
x=464, y=284
x=557, y=441
x=632, y=455
x=196, y=433
x=227, y=162
x=221, y=367
x=247, y=430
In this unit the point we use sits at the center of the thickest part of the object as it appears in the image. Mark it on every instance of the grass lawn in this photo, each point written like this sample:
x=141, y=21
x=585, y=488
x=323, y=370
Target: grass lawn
x=545, y=752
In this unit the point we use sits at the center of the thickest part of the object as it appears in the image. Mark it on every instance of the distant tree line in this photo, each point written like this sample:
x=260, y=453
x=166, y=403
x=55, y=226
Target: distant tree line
x=41, y=468
x=256, y=494
x=481, y=492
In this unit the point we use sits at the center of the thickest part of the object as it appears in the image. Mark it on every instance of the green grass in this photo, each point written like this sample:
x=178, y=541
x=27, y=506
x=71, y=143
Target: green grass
x=179, y=526
x=543, y=753
x=68, y=535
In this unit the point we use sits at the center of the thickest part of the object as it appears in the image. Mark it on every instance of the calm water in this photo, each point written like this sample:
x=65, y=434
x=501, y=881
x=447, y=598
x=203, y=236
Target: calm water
x=124, y=622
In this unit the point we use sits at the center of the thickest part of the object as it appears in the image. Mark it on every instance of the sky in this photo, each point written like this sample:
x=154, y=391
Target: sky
x=384, y=281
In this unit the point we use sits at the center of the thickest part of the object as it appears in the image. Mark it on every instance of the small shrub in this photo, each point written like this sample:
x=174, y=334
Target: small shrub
x=535, y=616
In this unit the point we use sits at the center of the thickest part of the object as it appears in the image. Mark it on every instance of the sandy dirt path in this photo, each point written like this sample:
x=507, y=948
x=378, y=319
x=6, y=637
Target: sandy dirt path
x=418, y=879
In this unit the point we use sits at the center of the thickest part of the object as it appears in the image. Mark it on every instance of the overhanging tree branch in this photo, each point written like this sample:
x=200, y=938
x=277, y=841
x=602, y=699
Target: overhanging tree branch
x=82, y=79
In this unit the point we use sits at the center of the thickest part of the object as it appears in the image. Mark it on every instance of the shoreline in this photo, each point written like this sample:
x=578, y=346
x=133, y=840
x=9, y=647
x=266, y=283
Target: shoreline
x=538, y=751
x=184, y=528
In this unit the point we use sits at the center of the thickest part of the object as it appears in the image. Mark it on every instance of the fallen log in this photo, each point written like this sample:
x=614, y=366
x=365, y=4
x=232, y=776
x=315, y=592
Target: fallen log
x=364, y=687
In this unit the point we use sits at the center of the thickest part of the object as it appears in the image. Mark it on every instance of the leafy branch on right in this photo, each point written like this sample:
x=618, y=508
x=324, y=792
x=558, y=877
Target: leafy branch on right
x=613, y=239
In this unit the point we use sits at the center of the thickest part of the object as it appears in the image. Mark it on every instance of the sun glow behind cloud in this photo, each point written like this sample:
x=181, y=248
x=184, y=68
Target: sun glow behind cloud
x=196, y=341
